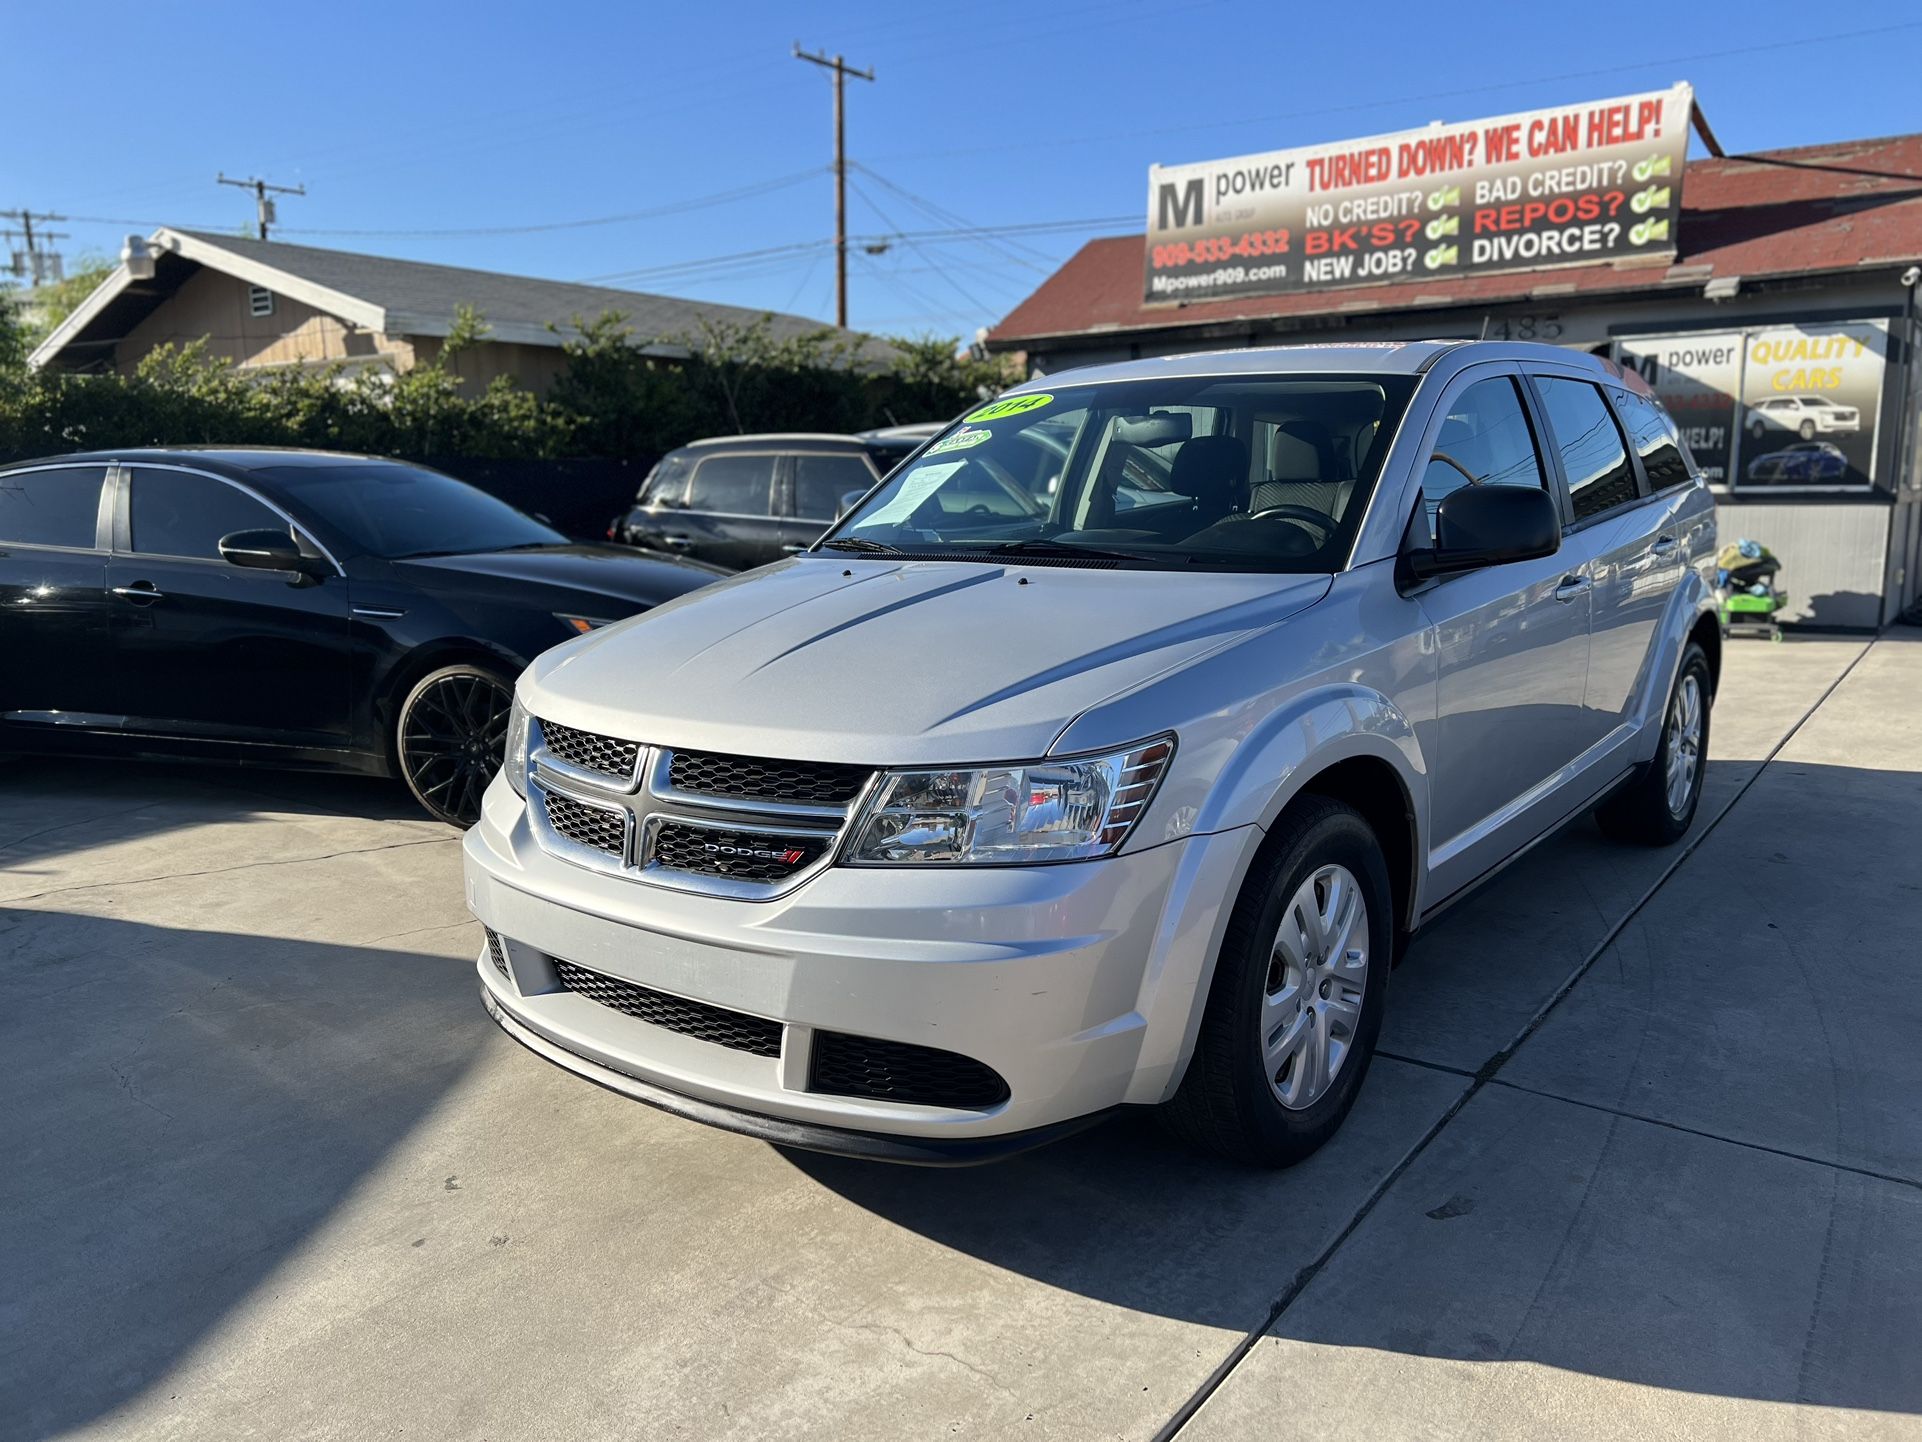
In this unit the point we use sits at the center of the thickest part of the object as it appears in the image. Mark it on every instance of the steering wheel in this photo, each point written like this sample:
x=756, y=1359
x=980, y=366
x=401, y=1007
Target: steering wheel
x=1448, y=460
x=1300, y=515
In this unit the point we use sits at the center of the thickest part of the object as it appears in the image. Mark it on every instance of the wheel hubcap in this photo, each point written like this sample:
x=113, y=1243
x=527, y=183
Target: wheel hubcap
x=1683, y=753
x=1317, y=977
x=452, y=742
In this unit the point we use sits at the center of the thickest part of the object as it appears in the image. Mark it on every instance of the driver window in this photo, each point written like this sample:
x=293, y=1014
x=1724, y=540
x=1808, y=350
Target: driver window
x=1485, y=441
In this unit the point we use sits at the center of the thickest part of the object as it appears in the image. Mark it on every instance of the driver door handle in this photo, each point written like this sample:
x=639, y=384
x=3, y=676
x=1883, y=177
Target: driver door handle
x=140, y=592
x=1663, y=546
x=677, y=543
x=1571, y=587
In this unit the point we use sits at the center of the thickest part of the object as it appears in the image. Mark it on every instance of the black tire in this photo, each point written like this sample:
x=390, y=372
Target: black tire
x=449, y=737
x=1757, y=431
x=1227, y=1102
x=1642, y=813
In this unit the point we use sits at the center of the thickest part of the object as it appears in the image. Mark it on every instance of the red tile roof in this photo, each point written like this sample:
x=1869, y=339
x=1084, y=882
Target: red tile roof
x=1774, y=213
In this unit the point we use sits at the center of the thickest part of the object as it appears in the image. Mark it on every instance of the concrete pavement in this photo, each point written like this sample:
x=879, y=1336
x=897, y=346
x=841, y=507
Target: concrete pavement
x=275, y=1175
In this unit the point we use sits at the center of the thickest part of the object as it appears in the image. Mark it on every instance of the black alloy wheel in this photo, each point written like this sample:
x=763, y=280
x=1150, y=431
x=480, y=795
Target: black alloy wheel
x=450, y=739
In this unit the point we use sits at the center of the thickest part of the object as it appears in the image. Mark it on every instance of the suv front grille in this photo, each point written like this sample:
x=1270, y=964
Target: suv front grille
x=591, y=751
x=735, y=1030
x=737, y=855
x=746, y=778
x=899, y=1071
x=739, y=826
x=603, y=828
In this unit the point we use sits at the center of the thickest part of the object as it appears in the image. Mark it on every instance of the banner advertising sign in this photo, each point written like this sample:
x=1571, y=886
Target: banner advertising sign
x=1774, y=408
x=1575, y=184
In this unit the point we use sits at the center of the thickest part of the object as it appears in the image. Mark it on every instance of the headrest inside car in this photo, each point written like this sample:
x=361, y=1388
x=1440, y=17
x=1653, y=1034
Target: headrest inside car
x=1210, y=468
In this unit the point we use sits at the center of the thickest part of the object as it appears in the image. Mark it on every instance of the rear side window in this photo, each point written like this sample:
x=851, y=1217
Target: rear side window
x=1593, y=455
x=176, y=514
x=51, y=508
x=821, y=481
x=733, y=485
x=665, y=484
x=1655, y=439
x=1485, y=440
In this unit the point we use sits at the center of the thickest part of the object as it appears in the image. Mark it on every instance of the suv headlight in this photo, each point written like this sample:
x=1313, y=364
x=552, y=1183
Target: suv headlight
x=1066, y=810
x=514, y=758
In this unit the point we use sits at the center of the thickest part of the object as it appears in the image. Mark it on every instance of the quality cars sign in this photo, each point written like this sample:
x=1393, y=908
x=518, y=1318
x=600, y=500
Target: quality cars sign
x=1567, y=186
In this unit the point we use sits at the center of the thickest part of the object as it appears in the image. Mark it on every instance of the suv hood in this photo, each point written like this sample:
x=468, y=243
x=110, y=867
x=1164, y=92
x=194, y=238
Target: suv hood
x=897, y=663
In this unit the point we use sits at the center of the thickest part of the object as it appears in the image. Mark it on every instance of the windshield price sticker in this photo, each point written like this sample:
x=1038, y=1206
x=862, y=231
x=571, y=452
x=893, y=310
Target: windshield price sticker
x=1571, y=185
x=1007, y=406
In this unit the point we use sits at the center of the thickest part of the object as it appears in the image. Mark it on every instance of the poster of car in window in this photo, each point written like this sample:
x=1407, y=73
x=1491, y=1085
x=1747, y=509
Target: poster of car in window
x=1565, y=186
x=1772, y=408
x=1809, y=400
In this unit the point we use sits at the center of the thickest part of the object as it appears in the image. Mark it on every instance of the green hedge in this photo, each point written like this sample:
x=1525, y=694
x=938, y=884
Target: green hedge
x=611, y=401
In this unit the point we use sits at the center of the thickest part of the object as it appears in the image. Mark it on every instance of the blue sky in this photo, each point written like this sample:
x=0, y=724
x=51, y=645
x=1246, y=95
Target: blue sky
x=403, y=118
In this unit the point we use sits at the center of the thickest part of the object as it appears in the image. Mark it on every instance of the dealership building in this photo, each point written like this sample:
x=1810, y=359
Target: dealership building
x=1774, y=299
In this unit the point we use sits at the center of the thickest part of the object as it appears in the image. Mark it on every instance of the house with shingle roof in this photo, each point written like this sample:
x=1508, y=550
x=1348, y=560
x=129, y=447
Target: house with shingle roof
x=265, y=303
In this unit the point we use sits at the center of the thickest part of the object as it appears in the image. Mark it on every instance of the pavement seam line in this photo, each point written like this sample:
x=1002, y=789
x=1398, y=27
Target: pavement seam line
x=222, y=870
x=1623, y=1112
x=1484, y=1075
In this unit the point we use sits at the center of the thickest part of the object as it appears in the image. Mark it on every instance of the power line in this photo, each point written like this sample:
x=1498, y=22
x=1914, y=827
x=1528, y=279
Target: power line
x=1648, y=63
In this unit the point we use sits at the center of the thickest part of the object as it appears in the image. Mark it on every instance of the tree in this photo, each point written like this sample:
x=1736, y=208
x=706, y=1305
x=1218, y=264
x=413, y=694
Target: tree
x=14, y=342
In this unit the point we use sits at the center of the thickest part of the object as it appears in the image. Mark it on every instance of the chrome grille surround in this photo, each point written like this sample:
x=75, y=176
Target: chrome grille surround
x=571, y=808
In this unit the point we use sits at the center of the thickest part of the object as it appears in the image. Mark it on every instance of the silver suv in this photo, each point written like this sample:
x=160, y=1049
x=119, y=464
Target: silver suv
x=1004, y=806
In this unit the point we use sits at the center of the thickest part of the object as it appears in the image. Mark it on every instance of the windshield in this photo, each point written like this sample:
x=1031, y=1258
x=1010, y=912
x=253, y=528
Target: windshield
x=1241, y=472
x=394, y=511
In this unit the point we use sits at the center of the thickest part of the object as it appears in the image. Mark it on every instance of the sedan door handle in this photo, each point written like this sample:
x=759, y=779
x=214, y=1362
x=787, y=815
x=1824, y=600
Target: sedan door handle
x=1663, y=546
x=1571, y=587
x=140, y=592
x=677, y=543
x=794, y=548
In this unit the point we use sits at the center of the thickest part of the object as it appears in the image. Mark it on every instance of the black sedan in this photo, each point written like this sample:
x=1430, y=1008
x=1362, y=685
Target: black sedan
x=295, y=608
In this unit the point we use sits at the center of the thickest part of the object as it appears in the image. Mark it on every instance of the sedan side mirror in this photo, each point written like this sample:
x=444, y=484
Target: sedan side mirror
x=1484, y=525
x=269, y=550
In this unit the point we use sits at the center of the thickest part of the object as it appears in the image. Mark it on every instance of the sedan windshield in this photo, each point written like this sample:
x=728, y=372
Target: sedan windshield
x=1241, y=472
x=394, y=511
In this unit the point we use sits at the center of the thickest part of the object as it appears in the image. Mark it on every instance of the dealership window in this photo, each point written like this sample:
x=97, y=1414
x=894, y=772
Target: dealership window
x=260, y=300
x=174, y=513
x=733, y=485
x=821, y=481
x=1593, y=454
x=1655, y=440
x=52, y=507
x=1485, y=441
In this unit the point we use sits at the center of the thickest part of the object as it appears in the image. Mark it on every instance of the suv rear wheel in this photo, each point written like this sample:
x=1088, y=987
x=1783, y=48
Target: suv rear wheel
x=1295, y=1005
x=1657, y=807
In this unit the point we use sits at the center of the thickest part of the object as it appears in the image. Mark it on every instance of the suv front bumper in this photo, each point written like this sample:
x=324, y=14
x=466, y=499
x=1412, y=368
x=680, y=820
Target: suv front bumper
x=1078, y=983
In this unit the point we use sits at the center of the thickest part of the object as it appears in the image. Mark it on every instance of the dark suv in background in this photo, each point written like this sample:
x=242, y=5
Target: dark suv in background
x=742, y=501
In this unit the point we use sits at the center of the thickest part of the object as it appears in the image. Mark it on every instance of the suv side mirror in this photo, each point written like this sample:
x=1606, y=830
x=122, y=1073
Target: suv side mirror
x=1479, y=526
x=849, y=500
x=269, y=550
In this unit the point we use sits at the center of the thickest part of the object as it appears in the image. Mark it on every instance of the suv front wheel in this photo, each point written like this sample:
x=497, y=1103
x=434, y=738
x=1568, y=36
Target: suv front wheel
x=1295, y=1005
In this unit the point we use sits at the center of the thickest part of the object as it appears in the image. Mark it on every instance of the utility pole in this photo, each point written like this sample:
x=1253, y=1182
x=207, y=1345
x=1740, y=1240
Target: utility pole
x=263, y=207
x=841, y=70
x=36, y=264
